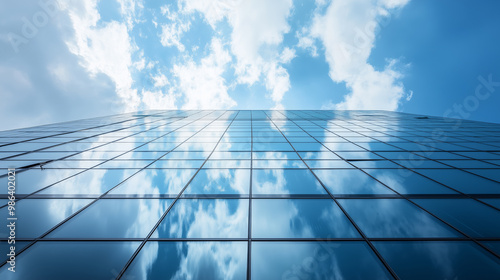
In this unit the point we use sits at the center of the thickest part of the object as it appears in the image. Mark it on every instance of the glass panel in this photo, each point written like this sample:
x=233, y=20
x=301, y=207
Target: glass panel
x=36, y=216
x=206, y=218
x=406, y=181
x=114, y=218
x=299, y=218
x=394, y=218
x=35, y=179
x=470, y=216
x=439, y=260
x=106, y=260
x=278, y=164
x=328, y=164
x=462, y=181
x=220, y=181
x=190, y=260
x=350, y=181
x=155, y=182
x=315, y=260
x=92, y=182
x=285, y=181
x=492, y=201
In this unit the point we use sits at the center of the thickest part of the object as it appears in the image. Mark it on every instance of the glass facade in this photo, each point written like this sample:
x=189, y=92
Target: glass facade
x=254, y=195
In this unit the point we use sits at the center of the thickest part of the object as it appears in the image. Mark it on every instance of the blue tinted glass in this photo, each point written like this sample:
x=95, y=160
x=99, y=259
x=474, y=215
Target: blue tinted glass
x=422, y=163
x=74, y=259
x=493, y=245
x=374, y=164
x=492, y=201
x=114, y=218
x=350, y=181
x=220, y=181
x=190, y=260
x=5, y=248
x=470, y=216
x=318, y=155
x=315, y=260
x=299, y=218
x=156, y=181
x=462, y=181
x=309, y=147
x=260, y=146
x=406, y=181
x=393, y=218
x=275, y=155
x=206, y=218
x=439, y=260
x=271, y=163
x=35, y=179
x=226, y=163
x=467, y=164
x=95, y=181
x=357, y=155
x=36, y=216
x=176, y=164
x=285, y=181
x=492, y=174
x=328, y=164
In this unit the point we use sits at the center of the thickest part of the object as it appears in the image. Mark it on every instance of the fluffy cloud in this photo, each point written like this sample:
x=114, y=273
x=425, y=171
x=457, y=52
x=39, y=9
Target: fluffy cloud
x=257, y=32
x=103, y=49
x=203, y=85
x=172, y=31
x=347, y=30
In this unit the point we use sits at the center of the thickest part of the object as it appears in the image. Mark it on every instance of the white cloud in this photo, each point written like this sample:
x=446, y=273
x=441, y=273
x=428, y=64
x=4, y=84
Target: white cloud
x=347, y=31
x=103, y=49
x=171, y=32
x=258, y=28
x=306, y=42
x=160, y=80
x=157, y=100
x=203, y=85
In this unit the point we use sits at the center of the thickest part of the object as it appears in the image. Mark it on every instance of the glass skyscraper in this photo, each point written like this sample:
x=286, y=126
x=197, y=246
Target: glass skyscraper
x=252, y=195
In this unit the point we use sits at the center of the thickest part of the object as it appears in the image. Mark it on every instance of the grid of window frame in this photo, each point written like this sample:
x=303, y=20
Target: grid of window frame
x=349, y=157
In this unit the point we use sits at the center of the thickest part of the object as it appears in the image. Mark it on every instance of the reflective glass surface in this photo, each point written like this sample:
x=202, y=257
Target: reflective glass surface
x=220, y=181
x=73, y=258
x=469, y=216
x=114, y=218
x=394, y=218
x=190, y=260
x=285, y=181
x=350, y=181
x=299, y=218
x=315, y=260
x=206, y=218
x=254, y=194
x=439, y=260
x=36, y=216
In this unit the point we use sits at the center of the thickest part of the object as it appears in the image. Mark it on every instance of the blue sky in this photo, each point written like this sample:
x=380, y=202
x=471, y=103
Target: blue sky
x=65, y=60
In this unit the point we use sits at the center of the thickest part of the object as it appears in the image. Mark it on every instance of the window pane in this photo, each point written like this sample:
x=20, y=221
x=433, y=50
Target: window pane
x=315, y=260
x=394, y=218
x=206, y=218
x=439, y=260
x=220, y=181
x=462, y=181
x=299, y=218
x=350, y=181
x=36, y=216
x=285, y=181
x=189, y=260
x=75, y=260
x=114, y=218
x=467, y=215
x=406, y=181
